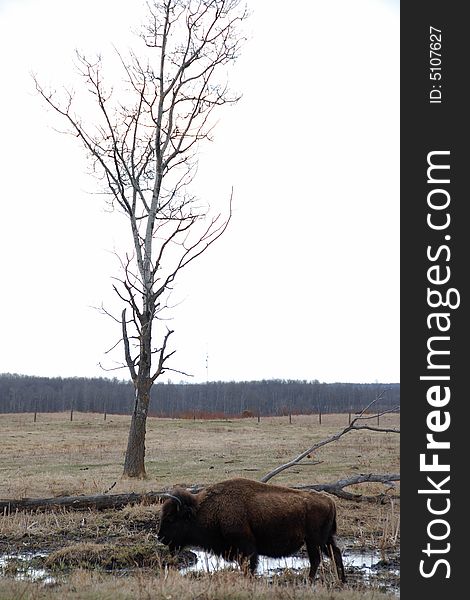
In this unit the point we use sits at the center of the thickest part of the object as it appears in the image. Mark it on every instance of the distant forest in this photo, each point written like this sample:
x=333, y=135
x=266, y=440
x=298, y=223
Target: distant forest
x=21, y=393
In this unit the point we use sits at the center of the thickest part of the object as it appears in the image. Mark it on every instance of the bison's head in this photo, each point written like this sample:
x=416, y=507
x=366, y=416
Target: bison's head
x=177, y=519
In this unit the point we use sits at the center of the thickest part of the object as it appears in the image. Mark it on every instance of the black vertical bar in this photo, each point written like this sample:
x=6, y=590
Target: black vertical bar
x=435, y=231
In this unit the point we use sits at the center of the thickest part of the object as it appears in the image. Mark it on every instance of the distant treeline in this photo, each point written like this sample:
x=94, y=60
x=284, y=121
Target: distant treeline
x=20, y=393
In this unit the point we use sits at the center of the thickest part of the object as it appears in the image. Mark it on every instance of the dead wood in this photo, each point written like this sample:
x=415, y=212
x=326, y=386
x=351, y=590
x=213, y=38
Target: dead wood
x=99, y=502
x=109, y=501
x=355, y=425
x=336, y=488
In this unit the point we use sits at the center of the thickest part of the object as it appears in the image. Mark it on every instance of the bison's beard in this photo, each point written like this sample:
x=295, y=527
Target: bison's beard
x=174, y=539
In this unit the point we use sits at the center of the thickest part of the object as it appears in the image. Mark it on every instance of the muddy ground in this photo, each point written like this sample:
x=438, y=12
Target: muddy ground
x=51, y=545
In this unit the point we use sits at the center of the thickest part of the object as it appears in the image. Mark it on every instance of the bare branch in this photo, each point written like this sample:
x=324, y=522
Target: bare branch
x=113, y=346
x=130, y=362
x=333, y=438
x=163, y=357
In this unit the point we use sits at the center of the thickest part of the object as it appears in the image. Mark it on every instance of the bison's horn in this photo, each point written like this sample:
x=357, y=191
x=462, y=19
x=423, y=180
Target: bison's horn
x=165, y=495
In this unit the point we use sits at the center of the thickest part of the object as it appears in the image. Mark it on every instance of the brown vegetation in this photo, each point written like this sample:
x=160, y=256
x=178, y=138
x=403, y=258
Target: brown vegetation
x=85, y=585
x=55, y=456
x=59, y=457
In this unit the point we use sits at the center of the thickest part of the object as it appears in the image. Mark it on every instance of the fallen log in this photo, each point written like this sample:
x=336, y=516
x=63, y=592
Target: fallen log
x=107, y=501
x=99, y=502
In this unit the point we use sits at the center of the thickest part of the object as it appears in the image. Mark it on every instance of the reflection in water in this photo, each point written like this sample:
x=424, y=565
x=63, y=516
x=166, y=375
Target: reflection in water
x=207, y=562
x=19, y=566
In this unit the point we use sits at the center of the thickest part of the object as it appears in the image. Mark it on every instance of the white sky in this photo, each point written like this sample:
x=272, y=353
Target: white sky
x=304, y=284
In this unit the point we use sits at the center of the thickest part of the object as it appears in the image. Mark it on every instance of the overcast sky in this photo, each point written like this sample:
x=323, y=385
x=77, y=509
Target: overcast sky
x=305, y=282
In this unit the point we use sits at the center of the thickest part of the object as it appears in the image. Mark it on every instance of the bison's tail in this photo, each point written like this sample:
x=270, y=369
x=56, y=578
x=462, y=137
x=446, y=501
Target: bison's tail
x=333, y=524
x=329, y=532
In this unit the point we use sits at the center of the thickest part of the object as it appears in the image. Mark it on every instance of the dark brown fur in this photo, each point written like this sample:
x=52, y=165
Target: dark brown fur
x=240, y=519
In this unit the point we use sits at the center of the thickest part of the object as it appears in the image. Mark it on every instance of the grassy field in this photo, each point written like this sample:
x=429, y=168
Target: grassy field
x=83, y=585
x=55, y=456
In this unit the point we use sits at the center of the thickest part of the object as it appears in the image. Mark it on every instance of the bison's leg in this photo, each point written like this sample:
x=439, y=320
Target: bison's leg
x=242, y=548
x=247, y=557
x=314, y=555
x=253, y=563
x=248, y=562
x=338, y=559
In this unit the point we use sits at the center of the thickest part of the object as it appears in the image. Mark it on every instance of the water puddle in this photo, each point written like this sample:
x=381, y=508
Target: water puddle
x=363, y=567
x=372, y=569
x=365, y=559
x=22, y=567
x=208, y=563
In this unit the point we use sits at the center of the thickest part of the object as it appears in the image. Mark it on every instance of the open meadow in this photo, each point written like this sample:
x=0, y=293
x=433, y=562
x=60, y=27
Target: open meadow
x=58, y=457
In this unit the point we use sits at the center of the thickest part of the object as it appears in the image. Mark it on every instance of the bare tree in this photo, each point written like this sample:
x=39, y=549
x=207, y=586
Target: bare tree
x=143, y=143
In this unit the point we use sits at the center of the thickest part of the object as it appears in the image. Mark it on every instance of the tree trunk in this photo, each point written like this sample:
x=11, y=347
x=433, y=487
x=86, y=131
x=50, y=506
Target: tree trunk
x=134, y=464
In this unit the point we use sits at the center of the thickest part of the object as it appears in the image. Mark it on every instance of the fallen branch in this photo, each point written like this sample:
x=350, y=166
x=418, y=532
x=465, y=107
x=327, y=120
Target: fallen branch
x=353, y=426
x=336, y=488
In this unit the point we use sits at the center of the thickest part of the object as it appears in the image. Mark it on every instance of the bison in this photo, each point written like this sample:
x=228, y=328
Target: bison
x=240, y=519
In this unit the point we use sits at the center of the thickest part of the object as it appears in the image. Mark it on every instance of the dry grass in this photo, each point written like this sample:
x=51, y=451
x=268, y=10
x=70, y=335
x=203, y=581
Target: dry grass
x=50, y=531
x=83, y=585
x=103, y=556
x=55, y=457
